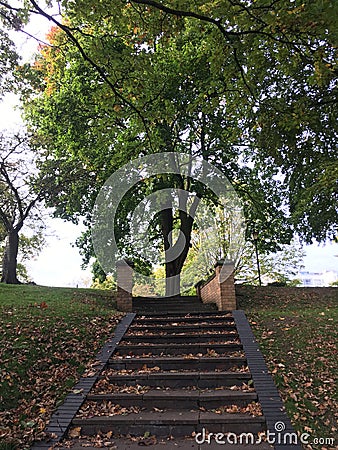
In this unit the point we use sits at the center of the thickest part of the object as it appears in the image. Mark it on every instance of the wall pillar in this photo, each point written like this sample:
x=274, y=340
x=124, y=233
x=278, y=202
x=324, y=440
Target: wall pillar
x=124, y=272
x=225, y=272
x=220, y=288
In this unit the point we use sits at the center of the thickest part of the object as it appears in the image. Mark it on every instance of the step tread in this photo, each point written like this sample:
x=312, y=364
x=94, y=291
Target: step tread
x=163, y=314
x=187, y=443
x=177, y=359
x=181, y=335
x=124, y=346
x=197, y=374
x=154, y=417
x=173, y=417
x=168, y=444
x=177, y=393
x=183, y=318
x=192, y=325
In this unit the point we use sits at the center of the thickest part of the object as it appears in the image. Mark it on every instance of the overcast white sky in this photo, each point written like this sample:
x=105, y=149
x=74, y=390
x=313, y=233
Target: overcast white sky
x=59, y=263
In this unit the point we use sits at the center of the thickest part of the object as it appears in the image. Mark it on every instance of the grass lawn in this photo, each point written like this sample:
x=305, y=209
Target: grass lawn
x=297, y=332
x=48, y=337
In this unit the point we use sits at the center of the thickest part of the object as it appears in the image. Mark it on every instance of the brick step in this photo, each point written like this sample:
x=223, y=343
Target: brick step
x=181, y=339
x=176, y=349
x=166, y=379
x=174, y=363
x=177, y=399
x=170, y=423
x=181, y=328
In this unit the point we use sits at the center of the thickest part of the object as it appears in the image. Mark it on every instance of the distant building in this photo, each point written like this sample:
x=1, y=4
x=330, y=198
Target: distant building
x=320, y=279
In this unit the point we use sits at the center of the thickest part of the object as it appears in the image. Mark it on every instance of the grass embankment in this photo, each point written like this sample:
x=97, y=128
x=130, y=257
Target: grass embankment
x=297, y=332
x=49, y=336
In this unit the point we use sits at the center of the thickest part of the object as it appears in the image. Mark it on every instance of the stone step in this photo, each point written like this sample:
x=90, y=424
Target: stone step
x=169, y=304
x=177, y=399
x=174, y=300
x=185, y=319
x=184, y=443
x=177, y=363
x=168, y=311
x=167, y=301
x=164, y=379
x=180, y=328
x=170, y=423
x=181, y=339
x=191, y=314
x=182, y=319
x=176, y=349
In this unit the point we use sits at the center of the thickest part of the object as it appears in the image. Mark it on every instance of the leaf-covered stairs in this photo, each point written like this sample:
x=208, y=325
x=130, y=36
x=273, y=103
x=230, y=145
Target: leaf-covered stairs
x=174, y=378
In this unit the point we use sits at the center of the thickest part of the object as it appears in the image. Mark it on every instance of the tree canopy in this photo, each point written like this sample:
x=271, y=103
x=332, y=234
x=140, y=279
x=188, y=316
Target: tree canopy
x=249, y=85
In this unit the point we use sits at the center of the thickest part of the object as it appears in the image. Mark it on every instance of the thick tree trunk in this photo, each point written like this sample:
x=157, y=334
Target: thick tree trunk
x=176, y=255
x=9, y=262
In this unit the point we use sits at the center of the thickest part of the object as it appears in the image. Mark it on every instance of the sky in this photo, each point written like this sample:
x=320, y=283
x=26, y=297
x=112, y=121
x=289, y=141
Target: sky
x=59, y=264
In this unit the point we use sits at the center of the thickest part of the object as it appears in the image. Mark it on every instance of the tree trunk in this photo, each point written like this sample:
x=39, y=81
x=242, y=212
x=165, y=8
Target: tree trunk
x=174, y=263
x=9, y=262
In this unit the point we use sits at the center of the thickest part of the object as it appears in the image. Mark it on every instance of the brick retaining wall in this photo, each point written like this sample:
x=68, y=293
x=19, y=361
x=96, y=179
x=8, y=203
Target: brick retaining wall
x=220, y=288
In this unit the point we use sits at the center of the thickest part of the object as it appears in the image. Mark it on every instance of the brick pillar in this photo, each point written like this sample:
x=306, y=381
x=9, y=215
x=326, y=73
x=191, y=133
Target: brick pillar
x=225, y=275
x=124, y=271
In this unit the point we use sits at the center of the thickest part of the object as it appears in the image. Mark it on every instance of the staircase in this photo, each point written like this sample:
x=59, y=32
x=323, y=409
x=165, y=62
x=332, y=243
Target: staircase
x=166, y=305
x=175, y=373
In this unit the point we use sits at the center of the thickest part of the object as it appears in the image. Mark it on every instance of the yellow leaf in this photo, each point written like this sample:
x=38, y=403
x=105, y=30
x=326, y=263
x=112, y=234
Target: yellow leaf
x=74, y=432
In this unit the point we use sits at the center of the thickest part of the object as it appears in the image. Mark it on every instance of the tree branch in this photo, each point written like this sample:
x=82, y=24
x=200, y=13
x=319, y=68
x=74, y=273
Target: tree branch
x=67, y=30
x=182, y=13
x=8, y=181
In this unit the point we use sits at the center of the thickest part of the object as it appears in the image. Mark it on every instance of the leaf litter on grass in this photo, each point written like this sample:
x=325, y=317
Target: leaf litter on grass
x=43, y=353
x=299, y=341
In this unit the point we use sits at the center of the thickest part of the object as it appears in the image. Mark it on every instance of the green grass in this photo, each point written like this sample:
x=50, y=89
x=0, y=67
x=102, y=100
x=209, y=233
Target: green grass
x=297, y=332
x=50, y=335
x=48, y=338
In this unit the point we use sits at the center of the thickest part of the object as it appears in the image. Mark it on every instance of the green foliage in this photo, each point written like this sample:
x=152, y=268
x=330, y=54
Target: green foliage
x=253, y=92
x=280, y=267
x=8, y=62
x=30, y=247
x=109, y=283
